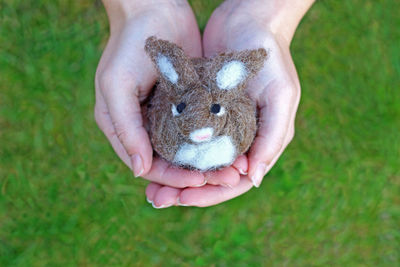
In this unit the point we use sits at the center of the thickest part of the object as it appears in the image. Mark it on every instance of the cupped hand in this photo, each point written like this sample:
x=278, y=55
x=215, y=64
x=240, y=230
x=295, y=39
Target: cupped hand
x=125, y=77
x=240, y=25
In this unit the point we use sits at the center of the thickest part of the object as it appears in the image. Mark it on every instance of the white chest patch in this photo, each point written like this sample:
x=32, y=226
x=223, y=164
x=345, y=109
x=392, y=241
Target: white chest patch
x=205, y=156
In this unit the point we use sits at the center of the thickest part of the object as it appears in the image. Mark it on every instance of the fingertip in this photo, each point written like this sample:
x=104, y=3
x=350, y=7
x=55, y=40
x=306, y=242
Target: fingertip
x=137, y=165
x=252, y=166
x=227, y=177
x=234, y=176
x=142, y=160
x=151, y=191
x=261, y=152
x=241, y=164
x=147, y=161
x=256, y=171
x=181, y=203
x=166, y=197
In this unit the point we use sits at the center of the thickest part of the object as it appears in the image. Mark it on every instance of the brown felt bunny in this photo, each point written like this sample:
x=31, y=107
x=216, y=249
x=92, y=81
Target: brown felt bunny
x=200, y=116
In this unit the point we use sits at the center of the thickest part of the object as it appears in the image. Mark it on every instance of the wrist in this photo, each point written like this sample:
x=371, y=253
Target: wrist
x=119, y=12
x=286, y=16
x=281, y=17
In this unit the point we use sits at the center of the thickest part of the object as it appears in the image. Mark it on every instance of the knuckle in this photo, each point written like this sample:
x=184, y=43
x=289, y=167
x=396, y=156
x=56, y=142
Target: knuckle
x=290, y=93
x=121, y=134
x=120, y=131
x=105, y=79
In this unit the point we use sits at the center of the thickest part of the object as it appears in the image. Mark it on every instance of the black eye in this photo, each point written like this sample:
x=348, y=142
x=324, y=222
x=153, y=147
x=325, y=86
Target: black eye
x=215, y=108
x=180, y=107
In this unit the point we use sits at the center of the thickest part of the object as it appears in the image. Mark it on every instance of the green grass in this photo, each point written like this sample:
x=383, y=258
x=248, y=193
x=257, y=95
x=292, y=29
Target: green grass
x=332, y=199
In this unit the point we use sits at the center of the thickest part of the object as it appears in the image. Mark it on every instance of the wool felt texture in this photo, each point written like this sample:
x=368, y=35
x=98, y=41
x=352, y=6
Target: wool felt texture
x=200, y=116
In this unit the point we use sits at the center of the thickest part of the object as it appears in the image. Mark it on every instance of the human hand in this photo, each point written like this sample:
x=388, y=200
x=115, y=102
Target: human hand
x=125, y=77
x=239, y=25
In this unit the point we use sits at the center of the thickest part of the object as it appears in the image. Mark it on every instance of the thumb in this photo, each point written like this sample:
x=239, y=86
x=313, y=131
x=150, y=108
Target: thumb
x=274, y=134
x=126, y=116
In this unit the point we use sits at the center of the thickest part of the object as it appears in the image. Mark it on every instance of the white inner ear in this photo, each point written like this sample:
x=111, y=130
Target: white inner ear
x=231, y=74
x=167, y=69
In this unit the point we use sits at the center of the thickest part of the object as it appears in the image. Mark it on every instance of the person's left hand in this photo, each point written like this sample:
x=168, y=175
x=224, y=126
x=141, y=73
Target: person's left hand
x=276, y=90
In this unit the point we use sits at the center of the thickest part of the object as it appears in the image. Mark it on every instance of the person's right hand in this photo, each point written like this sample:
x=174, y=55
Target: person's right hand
x=125, y=77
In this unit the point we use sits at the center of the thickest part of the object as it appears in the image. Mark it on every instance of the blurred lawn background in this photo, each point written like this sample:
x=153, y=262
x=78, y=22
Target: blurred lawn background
x=332, y=199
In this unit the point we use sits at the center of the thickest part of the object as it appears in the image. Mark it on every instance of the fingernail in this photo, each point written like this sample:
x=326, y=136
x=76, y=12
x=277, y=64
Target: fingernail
x=200, y=185
x=242, y=172
x=258, y=174
x=137, y=165
x=149, y=201
x=160, y=207
x=178, y=201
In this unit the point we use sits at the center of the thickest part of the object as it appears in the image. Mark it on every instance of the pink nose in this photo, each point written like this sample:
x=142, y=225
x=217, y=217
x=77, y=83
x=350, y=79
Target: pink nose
x=201, y=135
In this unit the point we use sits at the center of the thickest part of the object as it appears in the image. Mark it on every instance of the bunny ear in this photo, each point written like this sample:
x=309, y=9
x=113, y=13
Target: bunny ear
x=167, y=69
x=172, y=63
x=231, y=74
x=235, y=68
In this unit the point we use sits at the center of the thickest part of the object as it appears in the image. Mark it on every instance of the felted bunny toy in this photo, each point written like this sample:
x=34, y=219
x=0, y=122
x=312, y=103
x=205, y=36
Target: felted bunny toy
x=200, y=116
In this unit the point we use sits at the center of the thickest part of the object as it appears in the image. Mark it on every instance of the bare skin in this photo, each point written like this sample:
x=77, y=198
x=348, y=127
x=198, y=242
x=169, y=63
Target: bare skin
x=124, y=75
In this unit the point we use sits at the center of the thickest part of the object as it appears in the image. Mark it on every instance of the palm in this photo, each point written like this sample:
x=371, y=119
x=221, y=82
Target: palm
x=125, y=77
x=276, y=90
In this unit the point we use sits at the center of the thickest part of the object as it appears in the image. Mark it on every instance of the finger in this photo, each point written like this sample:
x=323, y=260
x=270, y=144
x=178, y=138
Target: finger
x=162, y=196
x=166, y=197
x=209, y=195
x=241, y=164
x=227, y=177
x=276, y=115
x=103, y=120
x=151, y=191
x=162, y=172
x=288, y=139
x=126, y=117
